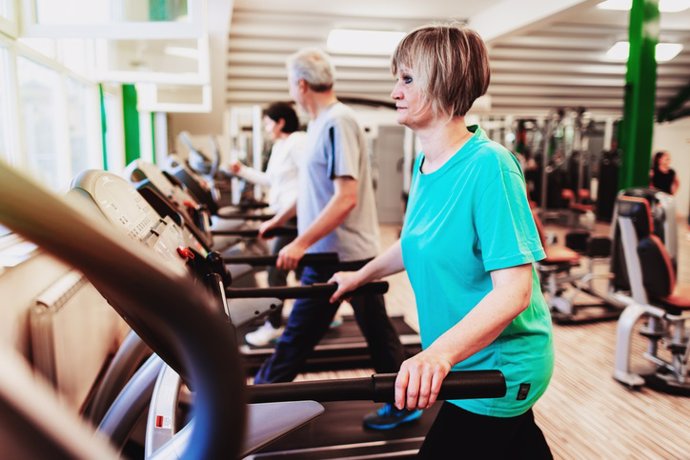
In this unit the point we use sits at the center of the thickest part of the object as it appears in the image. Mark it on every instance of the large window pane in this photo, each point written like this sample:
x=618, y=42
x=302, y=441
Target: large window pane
x=8, y=17
x=114, y=134
x=38, y=94
x=78, y=124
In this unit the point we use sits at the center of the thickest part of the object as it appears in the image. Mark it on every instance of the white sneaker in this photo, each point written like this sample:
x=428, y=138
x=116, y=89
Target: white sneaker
x=337, y=321
x=263, y=336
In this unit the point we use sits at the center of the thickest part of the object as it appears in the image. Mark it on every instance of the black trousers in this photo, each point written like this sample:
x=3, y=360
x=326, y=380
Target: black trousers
x=459, y=434
x=309, y=321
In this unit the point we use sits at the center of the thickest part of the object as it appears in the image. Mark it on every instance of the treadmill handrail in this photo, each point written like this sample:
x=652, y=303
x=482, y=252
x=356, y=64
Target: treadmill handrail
x=379, y=388
x=324, y=258
x=254, y=232
x=316, y=290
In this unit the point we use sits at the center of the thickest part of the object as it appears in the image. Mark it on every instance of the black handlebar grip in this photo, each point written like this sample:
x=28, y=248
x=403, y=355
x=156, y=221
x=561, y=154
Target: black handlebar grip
x=380, y=388
x=321, y=258
x=317, y=290
x=456, y=385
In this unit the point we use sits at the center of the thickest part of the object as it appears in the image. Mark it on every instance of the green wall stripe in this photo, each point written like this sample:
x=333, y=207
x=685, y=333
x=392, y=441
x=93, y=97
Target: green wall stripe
x=131, y=123
x=153, y=137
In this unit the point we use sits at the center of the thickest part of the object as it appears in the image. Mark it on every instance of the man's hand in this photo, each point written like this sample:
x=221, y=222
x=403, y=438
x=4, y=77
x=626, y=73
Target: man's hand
x=290, y=255
x=235, y=167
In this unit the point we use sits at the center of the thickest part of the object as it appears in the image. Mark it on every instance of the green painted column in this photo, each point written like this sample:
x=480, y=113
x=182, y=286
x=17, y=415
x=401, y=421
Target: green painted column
x=635, y=136
x=104, y=126
x=131, y=123
x=153, y=137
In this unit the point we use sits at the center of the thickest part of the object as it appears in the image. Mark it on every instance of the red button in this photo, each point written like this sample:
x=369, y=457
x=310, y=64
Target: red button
x=185, y=253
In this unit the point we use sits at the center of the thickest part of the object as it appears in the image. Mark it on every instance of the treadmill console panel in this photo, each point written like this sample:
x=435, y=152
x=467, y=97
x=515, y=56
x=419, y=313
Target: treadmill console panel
x=119, y=201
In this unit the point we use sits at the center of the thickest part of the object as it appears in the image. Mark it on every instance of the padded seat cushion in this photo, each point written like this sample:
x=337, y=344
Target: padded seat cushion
x=678, y=301
x=556, y=254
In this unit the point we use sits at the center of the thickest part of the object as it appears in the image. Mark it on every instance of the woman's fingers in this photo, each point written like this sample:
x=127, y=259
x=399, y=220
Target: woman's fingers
x=401, y=388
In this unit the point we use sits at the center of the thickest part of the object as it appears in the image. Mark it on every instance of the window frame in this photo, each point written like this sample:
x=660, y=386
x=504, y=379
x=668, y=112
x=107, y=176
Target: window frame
x=9, y=23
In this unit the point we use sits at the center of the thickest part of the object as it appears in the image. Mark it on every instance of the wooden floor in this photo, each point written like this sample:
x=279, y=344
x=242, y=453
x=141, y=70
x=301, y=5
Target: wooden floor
x=585, y=414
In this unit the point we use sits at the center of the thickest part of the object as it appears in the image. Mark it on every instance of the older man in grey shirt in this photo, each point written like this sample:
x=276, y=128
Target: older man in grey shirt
x=335, y=213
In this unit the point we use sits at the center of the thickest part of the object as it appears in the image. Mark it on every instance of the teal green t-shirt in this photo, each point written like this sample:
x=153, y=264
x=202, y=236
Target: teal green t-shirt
x=464, y=220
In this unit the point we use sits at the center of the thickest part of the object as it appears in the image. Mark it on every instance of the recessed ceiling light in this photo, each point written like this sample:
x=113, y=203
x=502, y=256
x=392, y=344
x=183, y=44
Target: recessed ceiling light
x=663, y=52
x=363, y=41
x=665, y=6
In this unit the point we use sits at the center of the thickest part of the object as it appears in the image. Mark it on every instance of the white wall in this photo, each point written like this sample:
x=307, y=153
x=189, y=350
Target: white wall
x=674, y=137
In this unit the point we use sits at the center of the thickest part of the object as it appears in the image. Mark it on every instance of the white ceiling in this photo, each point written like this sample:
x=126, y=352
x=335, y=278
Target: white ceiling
x=409, y=9
x=541, y=59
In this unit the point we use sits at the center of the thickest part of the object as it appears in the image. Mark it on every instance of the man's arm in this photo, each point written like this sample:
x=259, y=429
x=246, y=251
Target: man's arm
x=336, y=211
x=279, y=219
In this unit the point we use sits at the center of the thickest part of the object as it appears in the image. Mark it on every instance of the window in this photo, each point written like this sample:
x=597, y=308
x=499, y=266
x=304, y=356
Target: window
x=8, y=17
x=114, y=134
x=109, y=11
x=4, y=106
x=113, y=18
x=39, y=88
x=82, y=122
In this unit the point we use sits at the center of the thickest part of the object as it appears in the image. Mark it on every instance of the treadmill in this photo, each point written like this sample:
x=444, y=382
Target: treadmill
x=184, y=326
x=343, y=347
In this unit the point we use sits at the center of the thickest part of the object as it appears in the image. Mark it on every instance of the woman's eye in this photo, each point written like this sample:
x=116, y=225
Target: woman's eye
x=406, y=79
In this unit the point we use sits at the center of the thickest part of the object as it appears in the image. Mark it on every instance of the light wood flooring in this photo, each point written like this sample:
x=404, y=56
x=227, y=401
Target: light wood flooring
x=585, y=414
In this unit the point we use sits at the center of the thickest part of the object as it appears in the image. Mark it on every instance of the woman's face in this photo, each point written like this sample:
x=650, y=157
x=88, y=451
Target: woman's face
x=412, y=110
x=272, y=128
x=665, y=161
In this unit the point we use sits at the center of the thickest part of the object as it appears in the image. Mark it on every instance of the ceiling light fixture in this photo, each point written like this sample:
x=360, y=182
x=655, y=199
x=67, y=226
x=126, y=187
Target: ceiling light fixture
x=663, y=52
x=355, y=41
x=665, y=6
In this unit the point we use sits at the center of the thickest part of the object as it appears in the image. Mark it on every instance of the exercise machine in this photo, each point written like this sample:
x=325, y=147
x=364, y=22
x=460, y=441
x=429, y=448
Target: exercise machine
x=656, y=298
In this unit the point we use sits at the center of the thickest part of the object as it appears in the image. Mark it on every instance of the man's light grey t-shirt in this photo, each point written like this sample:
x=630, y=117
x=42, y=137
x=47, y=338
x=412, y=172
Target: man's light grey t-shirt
x=335, y=147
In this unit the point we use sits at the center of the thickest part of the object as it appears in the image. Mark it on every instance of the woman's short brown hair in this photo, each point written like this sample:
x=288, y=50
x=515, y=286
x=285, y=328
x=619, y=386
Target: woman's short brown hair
x=451, y=64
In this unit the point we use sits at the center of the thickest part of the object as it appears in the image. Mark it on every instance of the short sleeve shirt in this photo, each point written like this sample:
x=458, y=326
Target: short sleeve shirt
x=335, y=147
x=464, y=220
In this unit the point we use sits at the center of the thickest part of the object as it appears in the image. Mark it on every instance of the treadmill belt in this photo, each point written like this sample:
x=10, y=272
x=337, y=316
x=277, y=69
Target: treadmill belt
x=342, y=347
x=338, y=433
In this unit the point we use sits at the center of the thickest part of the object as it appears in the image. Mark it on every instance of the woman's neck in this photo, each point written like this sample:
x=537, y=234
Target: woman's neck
x=441, y=141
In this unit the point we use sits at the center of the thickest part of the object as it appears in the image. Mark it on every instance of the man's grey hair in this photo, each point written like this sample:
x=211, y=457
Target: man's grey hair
x=313, y=66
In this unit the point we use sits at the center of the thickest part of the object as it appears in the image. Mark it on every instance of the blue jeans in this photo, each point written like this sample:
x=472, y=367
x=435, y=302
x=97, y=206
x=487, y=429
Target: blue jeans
x=310, y=320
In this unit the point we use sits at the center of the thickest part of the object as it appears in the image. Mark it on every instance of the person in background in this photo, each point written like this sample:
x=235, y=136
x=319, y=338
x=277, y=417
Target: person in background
x=468, y=244
x=662, y=176
x=281, y=177
x=336, y=212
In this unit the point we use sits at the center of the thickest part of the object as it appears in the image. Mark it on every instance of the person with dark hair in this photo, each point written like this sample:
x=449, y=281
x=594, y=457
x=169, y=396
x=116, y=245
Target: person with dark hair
x=281, y=177
x=662, y=176
x=469, y=244
x=336, y=212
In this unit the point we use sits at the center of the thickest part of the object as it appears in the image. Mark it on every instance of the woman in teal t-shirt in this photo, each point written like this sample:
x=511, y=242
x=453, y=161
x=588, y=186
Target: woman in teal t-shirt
x=468, y=245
